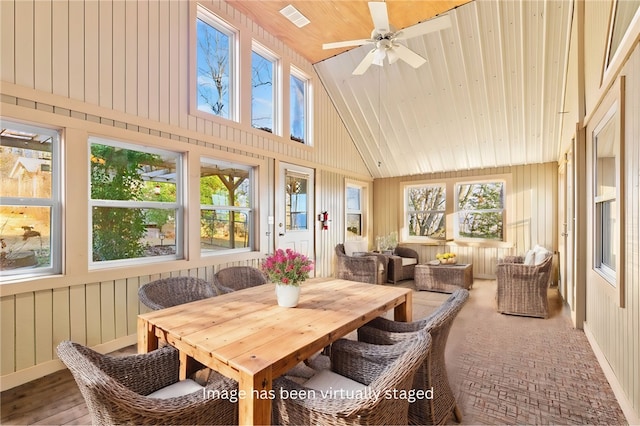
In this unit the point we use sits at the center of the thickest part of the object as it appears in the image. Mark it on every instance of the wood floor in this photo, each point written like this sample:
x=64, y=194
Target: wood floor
x=489, y=359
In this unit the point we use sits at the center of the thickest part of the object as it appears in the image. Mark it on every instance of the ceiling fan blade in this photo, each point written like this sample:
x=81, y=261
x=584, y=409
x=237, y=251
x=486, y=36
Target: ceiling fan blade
x=379, y=16
x=365, y=64
x=348, y=43
x=408, y=55
x=436, y=24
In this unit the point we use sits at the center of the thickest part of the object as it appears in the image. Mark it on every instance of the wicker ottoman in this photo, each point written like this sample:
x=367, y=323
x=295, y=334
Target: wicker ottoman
x=444, y=278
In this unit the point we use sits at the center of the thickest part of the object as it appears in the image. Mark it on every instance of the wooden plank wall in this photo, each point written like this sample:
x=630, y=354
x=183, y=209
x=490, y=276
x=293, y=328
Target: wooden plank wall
x=531, y=213
x=617, y=330
x=122, y=70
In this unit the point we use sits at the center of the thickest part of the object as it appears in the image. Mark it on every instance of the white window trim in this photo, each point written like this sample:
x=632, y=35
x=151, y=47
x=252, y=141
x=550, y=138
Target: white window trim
x=251, y=211
x=277, y=85
x=234, y=72
x=178, y=206
x=308, y=109
x=456, y=223
x=364, y=207
x=55, y=203
x=405, y=237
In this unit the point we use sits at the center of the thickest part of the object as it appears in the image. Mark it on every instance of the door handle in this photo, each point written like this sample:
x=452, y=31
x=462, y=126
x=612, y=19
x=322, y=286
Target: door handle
x=281, y=234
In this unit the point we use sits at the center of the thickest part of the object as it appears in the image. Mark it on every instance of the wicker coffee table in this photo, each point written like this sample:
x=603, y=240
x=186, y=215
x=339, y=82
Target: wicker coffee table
x=444, y=278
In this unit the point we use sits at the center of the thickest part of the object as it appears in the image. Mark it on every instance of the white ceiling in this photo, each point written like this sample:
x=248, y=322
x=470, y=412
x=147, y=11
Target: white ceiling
x=490, y=94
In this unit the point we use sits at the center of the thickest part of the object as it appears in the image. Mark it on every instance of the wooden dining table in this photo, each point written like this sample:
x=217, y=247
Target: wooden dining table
x=246, y=336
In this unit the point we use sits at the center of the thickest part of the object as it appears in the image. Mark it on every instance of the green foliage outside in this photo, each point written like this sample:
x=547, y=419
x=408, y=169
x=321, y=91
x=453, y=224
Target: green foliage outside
x=115, y=175
x=426, y=206
x=480, y=210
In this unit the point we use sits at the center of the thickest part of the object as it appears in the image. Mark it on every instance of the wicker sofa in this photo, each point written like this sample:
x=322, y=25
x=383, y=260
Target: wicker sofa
x=522, y=288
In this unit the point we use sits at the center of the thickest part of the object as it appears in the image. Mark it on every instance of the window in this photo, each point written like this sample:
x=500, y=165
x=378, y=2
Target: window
x=355, y=211
x=136, y=208
x=263, y=89
x=215, y=66
x=299, y=108
x=425, y=211
x=480, y=210
x=623, y=12
x=605, y=147
x=30, y=221
x=226, y=206
x=296, y=201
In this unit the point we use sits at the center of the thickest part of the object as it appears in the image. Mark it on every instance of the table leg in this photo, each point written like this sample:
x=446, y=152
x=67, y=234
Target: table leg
x=404, y=311
x=147, y=340
x=256, y=396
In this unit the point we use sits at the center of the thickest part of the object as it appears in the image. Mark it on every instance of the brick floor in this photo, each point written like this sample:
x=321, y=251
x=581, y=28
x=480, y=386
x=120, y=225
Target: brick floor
x=507, y=369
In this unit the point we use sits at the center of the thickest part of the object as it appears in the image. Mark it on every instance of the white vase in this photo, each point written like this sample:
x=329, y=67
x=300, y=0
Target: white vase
x=287, y=295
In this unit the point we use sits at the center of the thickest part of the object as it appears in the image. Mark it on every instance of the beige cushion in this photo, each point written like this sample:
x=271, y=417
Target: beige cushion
x=181, y=388
x=406, y=261
x=529, y=257
x=541, y=254
x=354, y=246
x=327, y=380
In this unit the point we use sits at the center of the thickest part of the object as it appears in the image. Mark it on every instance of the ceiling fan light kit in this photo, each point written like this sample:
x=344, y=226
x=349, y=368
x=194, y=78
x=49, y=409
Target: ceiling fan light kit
x=386, y=39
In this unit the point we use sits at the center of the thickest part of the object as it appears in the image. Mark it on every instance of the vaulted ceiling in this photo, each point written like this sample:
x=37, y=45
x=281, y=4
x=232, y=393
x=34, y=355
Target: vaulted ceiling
x=491, y=93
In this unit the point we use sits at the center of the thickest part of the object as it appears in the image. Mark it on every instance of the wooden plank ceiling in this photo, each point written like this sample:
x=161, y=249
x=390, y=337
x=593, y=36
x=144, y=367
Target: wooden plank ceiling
x=491, y=93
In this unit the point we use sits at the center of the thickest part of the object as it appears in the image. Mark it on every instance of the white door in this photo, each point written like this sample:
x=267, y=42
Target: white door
x=294, y=225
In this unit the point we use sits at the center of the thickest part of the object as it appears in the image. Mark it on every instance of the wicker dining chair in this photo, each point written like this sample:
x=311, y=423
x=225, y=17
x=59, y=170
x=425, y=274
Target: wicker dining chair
x=383, y=375
x=433, y=372
x=238, y=277
x=173, y=291
x=115, y=388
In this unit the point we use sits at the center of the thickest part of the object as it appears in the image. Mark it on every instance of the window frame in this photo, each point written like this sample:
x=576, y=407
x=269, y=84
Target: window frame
x=54, y=203
x=178, y=206
x=405, y=196
x=362, y=211
x=613, y=114
x=458, y=211
x=307, y=107
x=276, y=91
x=252, y=217
x=209, y=18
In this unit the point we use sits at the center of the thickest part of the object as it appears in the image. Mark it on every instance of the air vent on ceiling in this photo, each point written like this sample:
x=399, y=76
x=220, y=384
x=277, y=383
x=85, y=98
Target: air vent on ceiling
x=292, y=14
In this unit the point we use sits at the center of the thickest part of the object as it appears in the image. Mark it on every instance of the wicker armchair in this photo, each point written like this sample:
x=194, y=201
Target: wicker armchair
x=522, y=289
x=433, y=372
x=238, y=277
x=368, y=268
x=167, y=292
x=115, y=388
x=376, y=370
x=402, y=264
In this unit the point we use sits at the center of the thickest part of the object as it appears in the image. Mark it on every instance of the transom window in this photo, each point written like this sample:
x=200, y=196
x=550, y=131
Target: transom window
x=425, y=207
x=480, y=210
x=263, y=89
x=226, y=206
x=135, y=202
x=30, y=218
x=299, y=107
x=215, y=62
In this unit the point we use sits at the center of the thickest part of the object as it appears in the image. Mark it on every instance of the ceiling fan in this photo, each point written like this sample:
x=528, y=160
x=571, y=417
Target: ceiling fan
x=386, y=39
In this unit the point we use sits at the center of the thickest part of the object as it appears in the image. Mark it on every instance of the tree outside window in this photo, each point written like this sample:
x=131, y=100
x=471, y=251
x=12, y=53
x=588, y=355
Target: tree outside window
x=480, y=210
x=225, y=206
x=134, y=207
x=214, y=66
x=262, y=92
x=354, y=211
x=298, y=106
x=425, y=210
